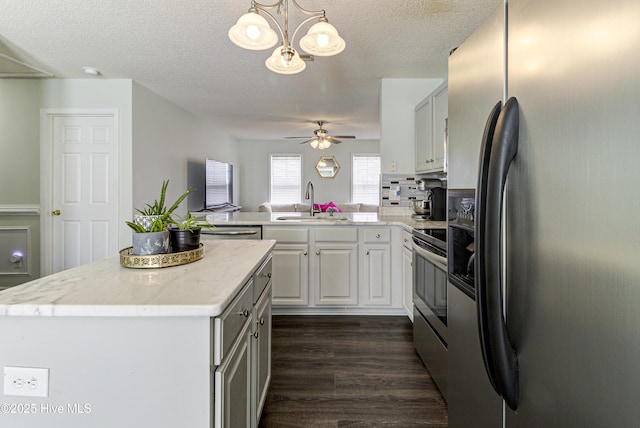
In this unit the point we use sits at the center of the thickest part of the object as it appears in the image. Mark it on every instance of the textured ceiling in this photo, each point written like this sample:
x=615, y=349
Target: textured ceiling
x=180, y=50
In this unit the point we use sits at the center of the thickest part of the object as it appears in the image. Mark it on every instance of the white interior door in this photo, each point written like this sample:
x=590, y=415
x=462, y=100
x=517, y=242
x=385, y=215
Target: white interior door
x=83, y=190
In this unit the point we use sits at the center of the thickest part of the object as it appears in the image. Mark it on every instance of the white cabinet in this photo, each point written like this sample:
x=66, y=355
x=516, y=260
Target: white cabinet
x=325, y=269
x=290, y=265
x=431, y=131
x=424, y=135
x=407, y=273
x=336, y=266
x=375, y=278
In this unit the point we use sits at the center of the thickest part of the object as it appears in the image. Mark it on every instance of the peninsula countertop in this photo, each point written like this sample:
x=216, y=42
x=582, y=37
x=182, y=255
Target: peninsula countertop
x=105, y=288
x=242, y=218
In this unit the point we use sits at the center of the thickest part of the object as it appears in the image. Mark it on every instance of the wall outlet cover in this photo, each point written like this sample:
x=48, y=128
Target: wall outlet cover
x=26, y=381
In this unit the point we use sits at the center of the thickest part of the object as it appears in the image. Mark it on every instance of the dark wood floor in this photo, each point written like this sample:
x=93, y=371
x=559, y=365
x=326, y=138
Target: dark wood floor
x=349, y=371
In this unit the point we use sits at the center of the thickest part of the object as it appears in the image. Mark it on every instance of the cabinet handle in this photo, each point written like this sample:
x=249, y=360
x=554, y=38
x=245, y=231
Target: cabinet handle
x=378, y=235
x=317, y=252
x=261, y=322
x=305, y=253
x=256, y=334
x=55, y=212
x=367, y=252
x=267, y=275
x=244, y=313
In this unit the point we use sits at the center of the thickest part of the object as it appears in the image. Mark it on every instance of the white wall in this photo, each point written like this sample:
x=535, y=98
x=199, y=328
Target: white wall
x=254, y=169
x=398, y=100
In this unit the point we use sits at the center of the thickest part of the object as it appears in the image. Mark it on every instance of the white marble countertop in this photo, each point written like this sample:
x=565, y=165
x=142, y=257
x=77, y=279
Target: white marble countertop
x=104, y=288
x=241, y=218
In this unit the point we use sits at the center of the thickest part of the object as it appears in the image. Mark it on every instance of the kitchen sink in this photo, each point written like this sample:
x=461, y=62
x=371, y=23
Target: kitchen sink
x=310, y=218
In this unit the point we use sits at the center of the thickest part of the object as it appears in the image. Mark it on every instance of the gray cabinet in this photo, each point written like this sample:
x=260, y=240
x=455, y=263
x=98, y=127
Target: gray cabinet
x=232, y=351
x=242, y=354
x=261, y=354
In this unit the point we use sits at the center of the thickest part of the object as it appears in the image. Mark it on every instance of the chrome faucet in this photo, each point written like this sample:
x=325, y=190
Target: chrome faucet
x=309, y=195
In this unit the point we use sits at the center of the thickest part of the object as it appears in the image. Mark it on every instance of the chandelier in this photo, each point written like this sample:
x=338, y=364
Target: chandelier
x=252, y=31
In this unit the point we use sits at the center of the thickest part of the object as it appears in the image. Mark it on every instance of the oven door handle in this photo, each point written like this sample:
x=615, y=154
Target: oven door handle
x=437, y=260
x=501, y=359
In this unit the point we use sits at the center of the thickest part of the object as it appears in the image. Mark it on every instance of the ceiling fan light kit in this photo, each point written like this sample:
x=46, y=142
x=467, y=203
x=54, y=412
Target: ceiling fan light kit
x=252, y=31
x=321, y=140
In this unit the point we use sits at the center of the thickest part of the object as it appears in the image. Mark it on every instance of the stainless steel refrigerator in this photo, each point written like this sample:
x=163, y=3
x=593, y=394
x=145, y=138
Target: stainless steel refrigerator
x=561, y=216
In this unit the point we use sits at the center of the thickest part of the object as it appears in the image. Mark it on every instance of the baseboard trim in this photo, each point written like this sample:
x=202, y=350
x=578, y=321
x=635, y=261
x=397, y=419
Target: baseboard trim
x=338, y=311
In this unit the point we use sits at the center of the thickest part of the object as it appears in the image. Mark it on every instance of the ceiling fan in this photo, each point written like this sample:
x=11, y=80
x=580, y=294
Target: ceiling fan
x=321, y=140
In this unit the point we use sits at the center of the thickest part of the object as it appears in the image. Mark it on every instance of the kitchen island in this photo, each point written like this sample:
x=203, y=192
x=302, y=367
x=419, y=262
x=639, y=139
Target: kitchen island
x=140, y=347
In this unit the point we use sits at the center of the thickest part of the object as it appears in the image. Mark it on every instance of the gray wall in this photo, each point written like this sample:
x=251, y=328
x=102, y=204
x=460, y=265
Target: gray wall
x=132, y=372
x=156, y=140
x=254, y=169
x=20, y=103
x=167, y=137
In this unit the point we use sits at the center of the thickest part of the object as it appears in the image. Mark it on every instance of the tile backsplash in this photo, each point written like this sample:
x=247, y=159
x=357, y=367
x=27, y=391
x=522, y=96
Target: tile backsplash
x=399, y=190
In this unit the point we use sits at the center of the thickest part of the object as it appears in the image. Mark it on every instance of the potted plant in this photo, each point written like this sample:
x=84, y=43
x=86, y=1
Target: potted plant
x=185, y=232
x=150, y=233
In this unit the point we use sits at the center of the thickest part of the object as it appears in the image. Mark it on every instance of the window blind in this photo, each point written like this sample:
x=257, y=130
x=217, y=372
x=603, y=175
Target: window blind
x=365, y=179
x=286, y=179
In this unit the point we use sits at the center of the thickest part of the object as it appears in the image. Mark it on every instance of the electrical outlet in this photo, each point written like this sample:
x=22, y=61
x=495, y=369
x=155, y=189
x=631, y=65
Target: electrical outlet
x=394, y=166
x=26, y=381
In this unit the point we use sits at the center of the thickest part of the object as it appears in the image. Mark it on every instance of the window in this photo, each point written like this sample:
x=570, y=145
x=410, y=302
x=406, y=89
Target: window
x=286, y=179
x=365, y=179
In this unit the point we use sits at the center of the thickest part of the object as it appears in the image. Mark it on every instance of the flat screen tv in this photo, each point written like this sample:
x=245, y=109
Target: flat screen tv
x=218, y=184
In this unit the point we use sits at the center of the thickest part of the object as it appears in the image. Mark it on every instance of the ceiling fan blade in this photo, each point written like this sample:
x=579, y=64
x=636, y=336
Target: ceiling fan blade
x=308, y=141
x=306, y=136
x=333, y=140
x=341, y=136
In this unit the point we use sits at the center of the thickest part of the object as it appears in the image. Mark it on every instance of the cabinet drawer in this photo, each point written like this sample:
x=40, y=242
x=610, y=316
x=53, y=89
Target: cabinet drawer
x=228, y=325
x=287, y=234
x=263, y=276
x=407, y=239
x=337, y=234
x=376, y=235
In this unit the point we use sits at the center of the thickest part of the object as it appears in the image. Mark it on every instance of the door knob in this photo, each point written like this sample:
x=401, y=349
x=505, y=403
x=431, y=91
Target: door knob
x=55, y=212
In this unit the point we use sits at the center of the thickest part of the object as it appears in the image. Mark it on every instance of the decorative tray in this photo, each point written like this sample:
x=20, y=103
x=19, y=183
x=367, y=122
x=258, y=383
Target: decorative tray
x=129, y=260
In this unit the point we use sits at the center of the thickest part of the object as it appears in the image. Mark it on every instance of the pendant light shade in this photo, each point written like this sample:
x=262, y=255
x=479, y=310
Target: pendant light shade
x=253, y=32
x=285, y=61
x=322, y=39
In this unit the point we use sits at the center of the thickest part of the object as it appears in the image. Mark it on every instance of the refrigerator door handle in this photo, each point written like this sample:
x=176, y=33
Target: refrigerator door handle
x=503, y=150
x=480, y=278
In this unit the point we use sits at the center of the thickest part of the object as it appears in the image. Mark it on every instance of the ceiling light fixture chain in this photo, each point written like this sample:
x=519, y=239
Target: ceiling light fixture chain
x=253, y=32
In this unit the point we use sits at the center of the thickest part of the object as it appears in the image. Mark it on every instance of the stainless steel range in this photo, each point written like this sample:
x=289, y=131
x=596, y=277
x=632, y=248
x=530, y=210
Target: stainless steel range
x=430, y=302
